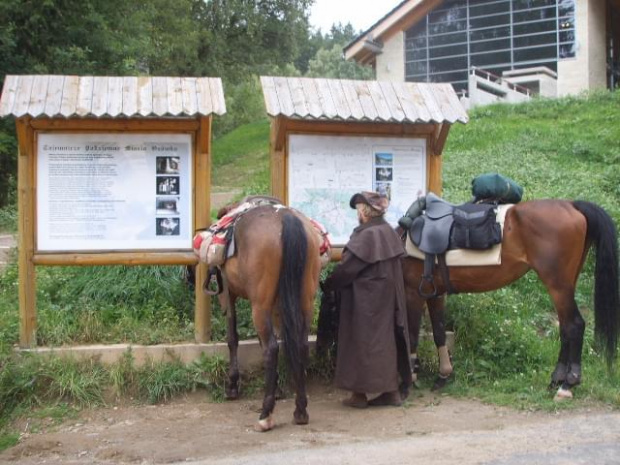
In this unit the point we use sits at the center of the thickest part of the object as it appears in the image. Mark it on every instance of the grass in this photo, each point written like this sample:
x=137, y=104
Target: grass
x=506, y=341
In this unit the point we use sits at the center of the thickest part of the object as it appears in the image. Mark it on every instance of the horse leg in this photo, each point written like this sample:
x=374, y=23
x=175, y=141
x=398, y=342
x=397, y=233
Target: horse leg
x=436, y=311
x=300, y=416
x=415, y=310
x=270, y=359
x=232, y=387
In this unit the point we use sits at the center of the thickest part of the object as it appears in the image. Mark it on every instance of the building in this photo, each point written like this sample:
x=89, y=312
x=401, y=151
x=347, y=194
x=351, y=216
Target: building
x=547, y=47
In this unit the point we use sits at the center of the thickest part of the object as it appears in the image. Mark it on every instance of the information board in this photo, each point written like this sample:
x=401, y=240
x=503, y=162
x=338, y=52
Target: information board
x=102, y=192
x=325, y=171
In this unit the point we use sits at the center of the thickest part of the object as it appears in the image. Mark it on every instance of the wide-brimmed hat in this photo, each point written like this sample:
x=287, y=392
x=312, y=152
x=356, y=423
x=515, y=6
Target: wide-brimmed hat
x=374, y=200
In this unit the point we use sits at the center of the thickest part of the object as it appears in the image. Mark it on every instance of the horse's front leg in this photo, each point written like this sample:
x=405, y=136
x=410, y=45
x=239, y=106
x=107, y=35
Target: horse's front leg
x=415, y=310
x=232, y=336
x=269, y=344
x=436, y=311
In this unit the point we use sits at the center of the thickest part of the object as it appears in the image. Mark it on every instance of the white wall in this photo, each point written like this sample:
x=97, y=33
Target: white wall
x=588, y=69
x=391, y=61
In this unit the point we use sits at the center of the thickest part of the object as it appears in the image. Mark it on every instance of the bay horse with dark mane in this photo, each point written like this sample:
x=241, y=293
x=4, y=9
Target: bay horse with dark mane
x=551, y=237
x=276, y=267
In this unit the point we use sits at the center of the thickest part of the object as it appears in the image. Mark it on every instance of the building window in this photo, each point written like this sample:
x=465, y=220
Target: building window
x=496, y=35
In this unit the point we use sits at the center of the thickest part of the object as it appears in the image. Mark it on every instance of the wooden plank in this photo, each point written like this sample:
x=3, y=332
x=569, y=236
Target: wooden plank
x=443, y=103
x=22, y=98
x=175, y=98
x=26, y=219
x=160, y=96
x=145, y=96
x=115, y=258
x=202, y=219
x=366, y=128
x=440, y=138
x=203, y=96
x=391, y=99
x=272, y=104
x=9, y=92
x=53, y=100
x=376, y=93
x=434, y=173
x=130, y=96
x=312, y=97
x=117, y=125
x=38, y=95
x=85, y=96
x=348, y=87
x=68, y=105
x=284, y=97
x=411, y=103
x=339, y=99
x=276, y=160
x=297, y=97
x=430, y=101
x=188, y=94
x=100, y=96
x=217, y=96
x=115, y=96
x=325, y=98
x=368, y=106
x=451, y=99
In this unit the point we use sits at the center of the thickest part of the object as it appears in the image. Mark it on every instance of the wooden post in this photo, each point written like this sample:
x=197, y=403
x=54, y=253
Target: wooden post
x=202, y=219
x=277, y=160
x=437, y=142
x=25, y=205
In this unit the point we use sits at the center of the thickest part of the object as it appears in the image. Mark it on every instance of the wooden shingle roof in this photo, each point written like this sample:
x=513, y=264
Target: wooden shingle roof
x=361, y=101
x=105, y=96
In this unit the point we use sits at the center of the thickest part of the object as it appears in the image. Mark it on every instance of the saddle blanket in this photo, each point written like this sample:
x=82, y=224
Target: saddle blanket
x=466, y=257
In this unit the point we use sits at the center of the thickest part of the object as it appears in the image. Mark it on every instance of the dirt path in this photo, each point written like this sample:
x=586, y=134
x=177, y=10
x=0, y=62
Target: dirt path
x=432, y=429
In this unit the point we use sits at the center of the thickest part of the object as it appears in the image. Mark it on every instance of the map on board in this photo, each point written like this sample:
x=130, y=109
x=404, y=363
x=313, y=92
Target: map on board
x=325, y=171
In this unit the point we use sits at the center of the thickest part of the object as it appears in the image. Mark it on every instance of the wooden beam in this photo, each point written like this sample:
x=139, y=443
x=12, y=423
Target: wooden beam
x=358, y=128
x=115, y=258
x=439, y=138
x=26, y=215
x=277, y=159
x=117, y=125
x=202, y=219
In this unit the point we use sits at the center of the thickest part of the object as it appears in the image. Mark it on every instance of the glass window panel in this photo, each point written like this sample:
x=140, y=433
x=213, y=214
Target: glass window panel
x=448, y=64
x=567, y=36
x=460, y=86
x=444, y=28
x=448, y=39
x=535, y=54
x=448, y=51
x=567, y=50
x=533, y=15
x=566, y=8
x=417, y=30
x=417, y=54
x=489, y=45
x=566, y=23
x=452, y=14
x=533, y=28
x=493, y=33
x=416, y=43
x=538, y=39
x=487, y=59
x=416, y=68
x=489, y=9
x=489, y=21
x=528, y=4
x=449, y=77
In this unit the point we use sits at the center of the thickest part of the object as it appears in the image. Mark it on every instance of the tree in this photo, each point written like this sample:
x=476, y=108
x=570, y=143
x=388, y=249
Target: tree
x=330, y=63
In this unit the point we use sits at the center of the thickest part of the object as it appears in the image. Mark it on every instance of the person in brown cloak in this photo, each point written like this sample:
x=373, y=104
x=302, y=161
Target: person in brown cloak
x=373, y=343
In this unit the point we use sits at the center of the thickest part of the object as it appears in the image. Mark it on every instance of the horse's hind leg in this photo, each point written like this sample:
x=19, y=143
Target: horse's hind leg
x=415, y=310
x=300, y=416
x=232, y=387
x=269, y=344
x=436, y=311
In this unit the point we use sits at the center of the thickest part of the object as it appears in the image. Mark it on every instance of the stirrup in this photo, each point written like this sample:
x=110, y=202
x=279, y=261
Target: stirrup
x=429, y=279
x=213, y=283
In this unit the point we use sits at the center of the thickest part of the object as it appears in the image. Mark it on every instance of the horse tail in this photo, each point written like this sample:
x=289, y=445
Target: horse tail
x=290, y=285
x=602, y=233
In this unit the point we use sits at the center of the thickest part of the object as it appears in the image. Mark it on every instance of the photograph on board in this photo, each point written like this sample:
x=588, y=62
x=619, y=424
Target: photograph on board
x=167, y=227
x=168, y=185
x=383, y=174
x=168, y=165
x=167, y=205
x=383, y=159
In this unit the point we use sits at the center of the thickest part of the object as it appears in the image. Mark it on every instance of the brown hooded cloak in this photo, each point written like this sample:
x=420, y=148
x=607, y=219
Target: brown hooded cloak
x=373, y=342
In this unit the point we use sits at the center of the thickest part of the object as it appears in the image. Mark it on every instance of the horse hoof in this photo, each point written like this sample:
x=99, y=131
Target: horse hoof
x=233, y=394
x=264, y=425
x=563, y=394
x=301, y=418
x=440, y=383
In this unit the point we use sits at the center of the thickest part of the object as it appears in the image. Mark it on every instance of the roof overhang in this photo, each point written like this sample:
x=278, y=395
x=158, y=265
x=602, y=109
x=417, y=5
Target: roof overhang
x=368, y=45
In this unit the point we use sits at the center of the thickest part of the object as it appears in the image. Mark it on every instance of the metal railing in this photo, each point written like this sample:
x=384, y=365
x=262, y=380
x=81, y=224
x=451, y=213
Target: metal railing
x=499, y=80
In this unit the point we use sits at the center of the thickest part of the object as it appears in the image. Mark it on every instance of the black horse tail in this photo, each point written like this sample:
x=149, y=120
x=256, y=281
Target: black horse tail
x=602, y=234
x=290, y=285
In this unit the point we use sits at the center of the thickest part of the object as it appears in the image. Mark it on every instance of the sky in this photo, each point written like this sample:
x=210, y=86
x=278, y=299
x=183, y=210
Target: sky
x=361, y=13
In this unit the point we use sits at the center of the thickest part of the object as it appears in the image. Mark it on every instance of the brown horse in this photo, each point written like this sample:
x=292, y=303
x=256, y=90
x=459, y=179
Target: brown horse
x=276, y=267
x=551, y=237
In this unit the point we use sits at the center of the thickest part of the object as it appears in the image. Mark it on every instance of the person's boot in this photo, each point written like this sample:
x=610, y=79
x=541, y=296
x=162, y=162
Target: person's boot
x=387, y=398
x=357, y=400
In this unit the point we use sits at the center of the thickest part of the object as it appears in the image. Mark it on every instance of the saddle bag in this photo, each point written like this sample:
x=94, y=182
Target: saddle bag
x=475, y=227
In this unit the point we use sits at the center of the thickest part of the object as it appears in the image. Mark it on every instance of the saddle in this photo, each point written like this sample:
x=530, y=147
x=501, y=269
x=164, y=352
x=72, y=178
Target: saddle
x=436, y=226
